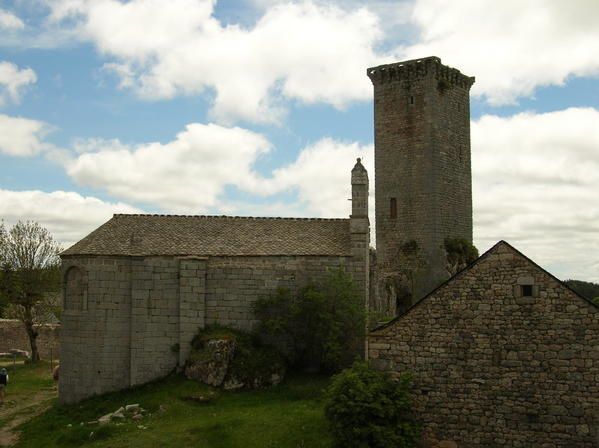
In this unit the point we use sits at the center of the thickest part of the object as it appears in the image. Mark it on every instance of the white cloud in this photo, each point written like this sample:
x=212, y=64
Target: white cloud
x=187, y=174
x=512, y=46
x=316, y=51
x=298, y=51
x=13, y=80
x=9, y=21
x=321, y=176
x=67, y=215
x=22, y=136
x=536, y=185
x=190, y=173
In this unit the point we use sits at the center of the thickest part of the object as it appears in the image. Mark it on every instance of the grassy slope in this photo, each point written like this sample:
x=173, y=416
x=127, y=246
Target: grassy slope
x=289, y=415
x=29, y=392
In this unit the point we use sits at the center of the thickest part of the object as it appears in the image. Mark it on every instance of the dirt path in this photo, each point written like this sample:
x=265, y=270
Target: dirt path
x=14, y=413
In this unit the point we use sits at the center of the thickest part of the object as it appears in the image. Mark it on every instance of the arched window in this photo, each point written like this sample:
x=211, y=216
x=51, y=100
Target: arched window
x=75, y=290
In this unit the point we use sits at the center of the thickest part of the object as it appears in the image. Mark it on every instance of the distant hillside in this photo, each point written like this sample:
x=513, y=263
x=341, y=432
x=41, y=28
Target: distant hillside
x=586, y=289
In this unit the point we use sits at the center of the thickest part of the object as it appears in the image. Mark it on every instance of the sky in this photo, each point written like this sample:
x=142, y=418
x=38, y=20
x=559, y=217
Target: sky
x=260, y=108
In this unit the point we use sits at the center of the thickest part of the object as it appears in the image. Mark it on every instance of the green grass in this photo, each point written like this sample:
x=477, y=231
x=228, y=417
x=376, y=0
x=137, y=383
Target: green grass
x=289, y=415
x=30, y=391
x=25, y=379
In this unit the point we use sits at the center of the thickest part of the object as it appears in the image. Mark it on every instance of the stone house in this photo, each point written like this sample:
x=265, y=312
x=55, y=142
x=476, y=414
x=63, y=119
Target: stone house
x=502, y=355
x=138, y=288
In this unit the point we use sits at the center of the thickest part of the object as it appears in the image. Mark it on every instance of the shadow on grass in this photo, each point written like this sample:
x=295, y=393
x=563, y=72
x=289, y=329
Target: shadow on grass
x=288, y=415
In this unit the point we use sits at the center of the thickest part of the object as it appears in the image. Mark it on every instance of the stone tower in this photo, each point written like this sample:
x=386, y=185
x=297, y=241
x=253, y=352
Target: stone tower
x=423, y=186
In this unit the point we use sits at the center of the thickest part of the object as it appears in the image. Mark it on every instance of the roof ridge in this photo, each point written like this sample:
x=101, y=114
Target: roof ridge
x=470, y=266
x=287, y=218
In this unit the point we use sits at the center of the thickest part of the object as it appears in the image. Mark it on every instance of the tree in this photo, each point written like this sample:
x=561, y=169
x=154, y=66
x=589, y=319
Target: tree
x=460, y=253
x=589, y=290
x=30, y=277
x=321, y=326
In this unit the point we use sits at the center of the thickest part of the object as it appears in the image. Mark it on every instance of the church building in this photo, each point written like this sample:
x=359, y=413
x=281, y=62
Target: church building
x=138, y=288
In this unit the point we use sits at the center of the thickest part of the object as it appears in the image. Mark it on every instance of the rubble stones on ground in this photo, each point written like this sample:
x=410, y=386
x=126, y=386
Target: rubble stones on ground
x=135, y=410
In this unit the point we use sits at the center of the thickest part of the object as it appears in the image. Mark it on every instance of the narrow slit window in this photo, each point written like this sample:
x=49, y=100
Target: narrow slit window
x=393, y=208
x=411, y=100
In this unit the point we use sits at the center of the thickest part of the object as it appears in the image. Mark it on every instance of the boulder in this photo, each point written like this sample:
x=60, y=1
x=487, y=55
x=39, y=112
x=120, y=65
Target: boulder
x=210, y=365
x=231, y=359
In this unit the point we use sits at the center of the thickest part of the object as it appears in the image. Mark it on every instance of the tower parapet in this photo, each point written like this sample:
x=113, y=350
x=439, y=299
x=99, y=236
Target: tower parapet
x=415, y=69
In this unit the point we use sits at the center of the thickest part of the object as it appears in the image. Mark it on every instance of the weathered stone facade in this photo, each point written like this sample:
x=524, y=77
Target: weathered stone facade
x=502, y=355
x=422, y=175
x=140, y=287
x=14, y=336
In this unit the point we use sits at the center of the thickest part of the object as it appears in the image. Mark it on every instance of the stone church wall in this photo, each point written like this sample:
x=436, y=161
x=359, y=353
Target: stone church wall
x=95, y=338
x=233, y=284
x=129, y=320
x=494, y=369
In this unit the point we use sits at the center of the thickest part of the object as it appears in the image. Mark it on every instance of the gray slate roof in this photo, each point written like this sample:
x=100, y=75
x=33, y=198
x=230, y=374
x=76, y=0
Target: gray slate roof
x=142, y=235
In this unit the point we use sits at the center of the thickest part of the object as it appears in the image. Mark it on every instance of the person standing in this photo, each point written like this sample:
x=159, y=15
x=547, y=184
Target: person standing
x=3, y=384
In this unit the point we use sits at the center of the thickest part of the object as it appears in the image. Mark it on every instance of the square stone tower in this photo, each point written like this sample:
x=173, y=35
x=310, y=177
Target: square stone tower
x=423, y=185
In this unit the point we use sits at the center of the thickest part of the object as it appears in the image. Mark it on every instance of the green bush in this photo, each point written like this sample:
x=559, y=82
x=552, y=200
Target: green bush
x=460, y=253
x=367, y=408
x=322, y=326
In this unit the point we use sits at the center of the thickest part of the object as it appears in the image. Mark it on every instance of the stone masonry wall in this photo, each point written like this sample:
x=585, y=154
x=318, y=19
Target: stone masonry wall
x=95, y=335
x=492, y=368
x=233, y=284
x=13, y=336
x=422, y=163
x=130, y=320
x=154, y=325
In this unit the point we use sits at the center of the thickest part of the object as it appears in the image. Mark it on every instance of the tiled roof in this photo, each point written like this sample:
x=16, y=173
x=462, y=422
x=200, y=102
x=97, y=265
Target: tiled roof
x=215, y=235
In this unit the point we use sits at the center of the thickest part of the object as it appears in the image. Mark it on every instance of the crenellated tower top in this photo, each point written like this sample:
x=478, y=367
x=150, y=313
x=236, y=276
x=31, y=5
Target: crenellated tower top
x=416, y=69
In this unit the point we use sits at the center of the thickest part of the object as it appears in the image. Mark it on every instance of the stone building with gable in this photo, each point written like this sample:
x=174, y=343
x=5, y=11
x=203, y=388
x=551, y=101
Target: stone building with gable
x=502, y=355
x=137, y=289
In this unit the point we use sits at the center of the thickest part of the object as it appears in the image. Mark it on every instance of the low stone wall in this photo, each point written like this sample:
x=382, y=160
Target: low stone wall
x=13, y=336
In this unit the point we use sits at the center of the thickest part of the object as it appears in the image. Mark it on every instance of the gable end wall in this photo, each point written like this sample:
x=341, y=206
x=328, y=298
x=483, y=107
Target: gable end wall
x=493, y=369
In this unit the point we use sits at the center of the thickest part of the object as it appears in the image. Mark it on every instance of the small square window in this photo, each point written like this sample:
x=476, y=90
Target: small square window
x=526, y=290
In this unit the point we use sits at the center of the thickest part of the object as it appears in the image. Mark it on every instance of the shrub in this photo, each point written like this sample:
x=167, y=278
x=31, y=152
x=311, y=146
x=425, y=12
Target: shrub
x=460, y=253
x=367, y=408
x=322, y=326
